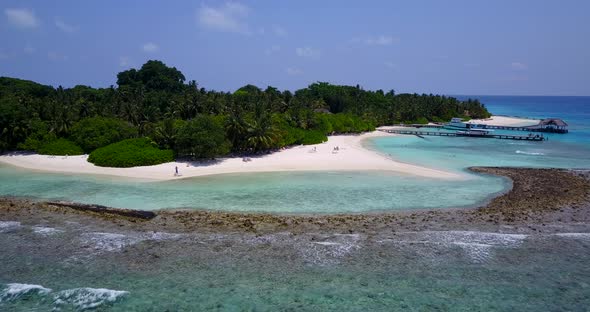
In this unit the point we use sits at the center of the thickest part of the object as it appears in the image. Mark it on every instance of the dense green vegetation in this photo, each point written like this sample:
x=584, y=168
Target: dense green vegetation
x=130, y=153
x=202, y=137
x=60, y=146
x=95, y=132
x=155, y=102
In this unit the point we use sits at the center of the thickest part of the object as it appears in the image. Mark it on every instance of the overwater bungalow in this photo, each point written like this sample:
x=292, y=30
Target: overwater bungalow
x=553, y=125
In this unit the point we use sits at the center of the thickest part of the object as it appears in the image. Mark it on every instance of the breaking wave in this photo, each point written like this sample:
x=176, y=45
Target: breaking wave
x=529, y=153
x=6, y=226
x=87, y=298
x=14, y=291
x=79, y=298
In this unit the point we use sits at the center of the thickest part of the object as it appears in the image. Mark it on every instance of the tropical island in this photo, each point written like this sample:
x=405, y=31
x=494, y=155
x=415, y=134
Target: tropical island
x=153, y=126
x=154, y=117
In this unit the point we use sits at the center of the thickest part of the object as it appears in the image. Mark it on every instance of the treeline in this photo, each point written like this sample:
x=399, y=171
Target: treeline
x=155, y=102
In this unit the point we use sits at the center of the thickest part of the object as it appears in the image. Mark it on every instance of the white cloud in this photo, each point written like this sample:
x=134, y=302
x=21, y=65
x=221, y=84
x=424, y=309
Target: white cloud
x=228, y=17
x=518, y=66
x=381, y=40
x=279, y=31
x=390, y=65
x=22, y=18
x=123, y=61
x=272, y=50
x=67, y=28
x=308, y=52
x=292, y=71
x=54, y=56
x=29, y=49
x=150, y=47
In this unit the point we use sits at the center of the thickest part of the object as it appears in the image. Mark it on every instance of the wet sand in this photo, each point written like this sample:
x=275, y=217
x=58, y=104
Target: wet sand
x=541, y=201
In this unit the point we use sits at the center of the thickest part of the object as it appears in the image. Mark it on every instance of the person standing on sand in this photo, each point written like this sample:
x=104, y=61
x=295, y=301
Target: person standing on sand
x=176, y=171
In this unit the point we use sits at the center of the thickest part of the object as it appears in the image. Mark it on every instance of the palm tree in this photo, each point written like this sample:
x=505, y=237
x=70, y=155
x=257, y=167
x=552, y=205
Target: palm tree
x=166, y=133
x=261, y=135
x=236, y=129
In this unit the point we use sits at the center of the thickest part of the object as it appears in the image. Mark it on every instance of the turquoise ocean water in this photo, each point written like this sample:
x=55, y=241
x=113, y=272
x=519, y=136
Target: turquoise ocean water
x=73, y=267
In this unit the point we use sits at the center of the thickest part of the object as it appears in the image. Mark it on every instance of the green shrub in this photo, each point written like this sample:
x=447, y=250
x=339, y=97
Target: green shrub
x=38, y=136
x=345, y=123
x=202, y=137
x=60, y=147
x=130, y=153
x=313, y=137
x=421, y=120
x=95, y=132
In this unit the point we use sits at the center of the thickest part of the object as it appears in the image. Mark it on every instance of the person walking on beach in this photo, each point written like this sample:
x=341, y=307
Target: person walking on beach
x=176, y=171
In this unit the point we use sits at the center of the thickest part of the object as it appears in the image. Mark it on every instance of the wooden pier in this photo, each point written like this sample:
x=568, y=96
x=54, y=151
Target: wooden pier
x=551, y=125
x=535, y=128
x=471, y=135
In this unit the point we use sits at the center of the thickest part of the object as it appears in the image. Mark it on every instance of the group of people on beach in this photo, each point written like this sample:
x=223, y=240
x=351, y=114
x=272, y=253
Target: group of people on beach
x=334, y=151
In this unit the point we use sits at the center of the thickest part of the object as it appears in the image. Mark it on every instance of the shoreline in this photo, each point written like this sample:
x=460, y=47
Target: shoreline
x=351, y=156
x=535, y=204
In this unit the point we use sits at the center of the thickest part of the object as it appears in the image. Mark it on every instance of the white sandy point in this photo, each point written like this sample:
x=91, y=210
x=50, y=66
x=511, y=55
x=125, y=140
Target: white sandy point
x=505, y=121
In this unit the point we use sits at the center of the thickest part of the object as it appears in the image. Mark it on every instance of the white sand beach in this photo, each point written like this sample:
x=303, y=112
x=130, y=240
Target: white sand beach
x=352, y=156
x=505, y=121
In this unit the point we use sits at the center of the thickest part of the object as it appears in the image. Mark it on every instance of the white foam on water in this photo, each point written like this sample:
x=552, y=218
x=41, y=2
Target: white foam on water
x=162, y=236
x=114, y=241
x=327, y=243
x=478, y=246
x=475, y=251
x=574, y=235
x=15, y=290
x=495, y=239
x=517, y=143
x=45, y=231
x=87, y=298
x=529, y=153
x=6, y=226
x=330, y=250
x=109, y=241
x=100, y=242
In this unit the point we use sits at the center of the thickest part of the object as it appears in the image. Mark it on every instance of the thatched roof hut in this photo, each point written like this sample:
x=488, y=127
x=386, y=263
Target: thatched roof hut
x=553, y=124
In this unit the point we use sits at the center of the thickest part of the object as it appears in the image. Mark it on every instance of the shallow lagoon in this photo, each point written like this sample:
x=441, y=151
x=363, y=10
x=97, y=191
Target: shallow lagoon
x=280, y=192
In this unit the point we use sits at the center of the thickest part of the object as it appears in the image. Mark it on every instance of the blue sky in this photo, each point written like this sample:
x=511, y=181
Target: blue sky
x=450, y=47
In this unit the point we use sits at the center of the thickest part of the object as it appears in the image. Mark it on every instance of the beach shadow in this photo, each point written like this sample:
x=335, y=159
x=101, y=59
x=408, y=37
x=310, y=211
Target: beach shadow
x=18, y=153
x=201, y=163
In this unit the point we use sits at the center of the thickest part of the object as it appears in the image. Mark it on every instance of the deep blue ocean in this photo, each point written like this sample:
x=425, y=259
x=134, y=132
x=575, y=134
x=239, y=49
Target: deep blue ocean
x=575, y=110
x=570, y=150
